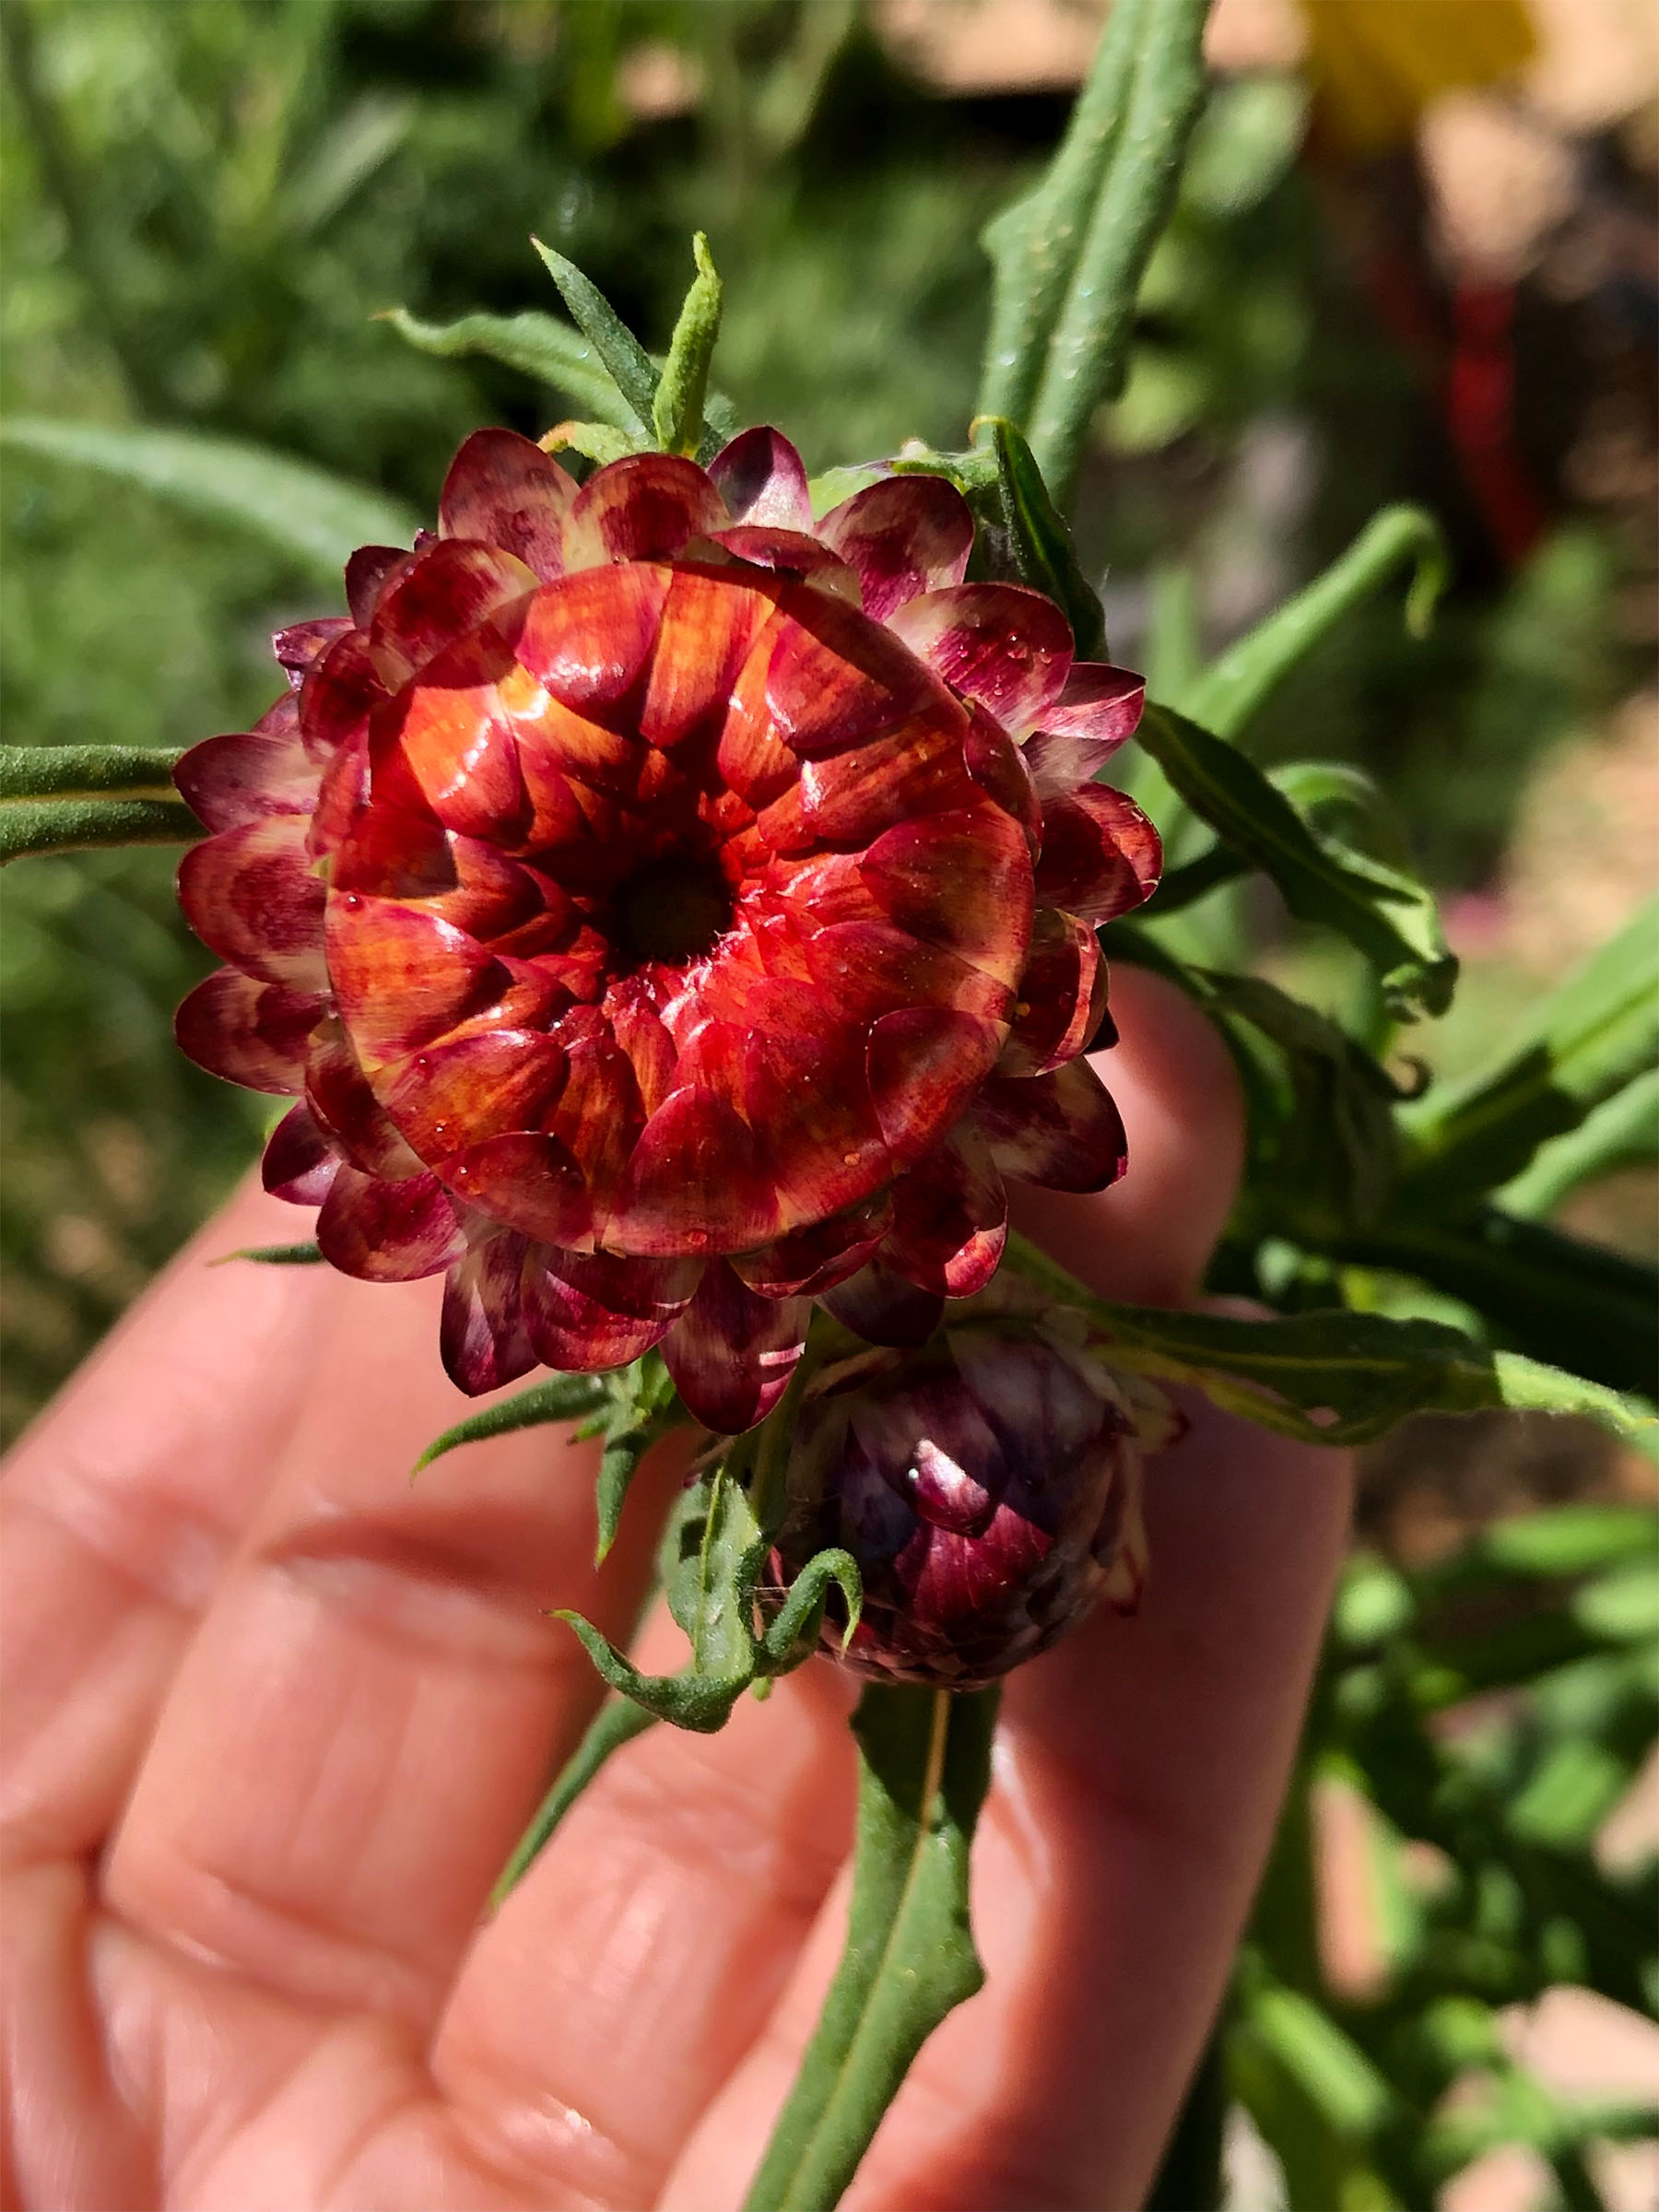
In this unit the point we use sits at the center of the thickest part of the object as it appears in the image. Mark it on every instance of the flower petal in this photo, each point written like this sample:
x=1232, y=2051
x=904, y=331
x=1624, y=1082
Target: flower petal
x=709, y=623
x=849, y=798
x=836, y=678
x=923, y=1065
x=339, y=694
x=1101, y=706
x=791, y=553
x=454, y=587
x=951, y=1218
x=299, y=1163
x=884, y=1307
x=761, y=479
x=814, y=1259
x=731, y=1353
x=1101, y=855
x=1062, y=996
x=527, y=1179
x=503, y=491
x=482, y=1336
x=695, y=1183
x=299, y=646
x=959, y=880
x=403, y=977
x=247, y=1031
x=642, y=508
x=369, y=573
x=458, y=1093
x=339, y=1097
x=1062, y=1130
x=1007, y=647
x=251, y=896
x=598, y=1115
x=458, y=747
x=588, y=1312
x=819, y=1138
x=904, y=535
x=388, y=1232
x=868, y=969
x=588, y=637
x=228, y=780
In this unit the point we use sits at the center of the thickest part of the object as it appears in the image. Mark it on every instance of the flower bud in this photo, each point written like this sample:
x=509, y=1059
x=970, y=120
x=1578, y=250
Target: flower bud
x=989, y=1487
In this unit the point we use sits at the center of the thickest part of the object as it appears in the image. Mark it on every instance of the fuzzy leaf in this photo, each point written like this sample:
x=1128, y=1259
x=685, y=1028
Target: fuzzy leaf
x=631, y=368
x=316, y=519
x=57, y=797
x=1069, y=258
x=537, y=345
x=794, y=1628
x=1334, y=1376
x=924, y=1765
x=1233, y=690
x=677, y=410
x=595, y=441
x=1041, y=541
x=274, y=1256
x=616, y=1722
x=1549, y=1294
x=1391, y=918
x=559, y=1398
x=639, y=1406
x=1596, y=1032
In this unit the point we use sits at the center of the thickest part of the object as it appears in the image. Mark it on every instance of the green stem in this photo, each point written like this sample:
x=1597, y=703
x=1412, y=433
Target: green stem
x=616, y=1722
x=924, y=1767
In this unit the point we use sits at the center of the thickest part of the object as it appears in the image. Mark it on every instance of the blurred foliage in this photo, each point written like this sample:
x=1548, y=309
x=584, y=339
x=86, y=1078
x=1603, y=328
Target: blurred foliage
x=204, y=204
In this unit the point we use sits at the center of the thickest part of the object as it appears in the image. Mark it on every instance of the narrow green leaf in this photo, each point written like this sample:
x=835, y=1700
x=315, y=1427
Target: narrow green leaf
x=676, y=415
x=273, y=1255
x=619, y=1463
x=1231, y=692
x=630, y=366
x=798, y=1621
x=1622, y=1132
x=1069, y=258
x=1594, y=1034
x=616, y=1722
x=86, y=772
x=29, y=826
x=1041, y=540
x=537, y=345
x=1550, y=1294
x=559, y=1398
x=1331, y=2069
x=701, y=1702
x=316, y=519
x=924, y=1765
x=1332, y=1376
x=595, y=441
x=1391, y=918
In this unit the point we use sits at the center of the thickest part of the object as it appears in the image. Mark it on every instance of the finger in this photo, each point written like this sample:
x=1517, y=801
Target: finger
x=1138, y=1770
x=1149, y=1237
x=369, y=1709
x=655, y=1933
x=120, y=1505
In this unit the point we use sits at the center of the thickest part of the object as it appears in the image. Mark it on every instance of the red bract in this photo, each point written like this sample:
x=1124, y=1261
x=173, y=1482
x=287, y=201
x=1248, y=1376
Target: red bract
x=989, y=1488
x=646, y=895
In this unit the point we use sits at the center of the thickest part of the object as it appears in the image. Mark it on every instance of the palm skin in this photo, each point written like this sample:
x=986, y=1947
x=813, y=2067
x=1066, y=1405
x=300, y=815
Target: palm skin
x=274, y=1719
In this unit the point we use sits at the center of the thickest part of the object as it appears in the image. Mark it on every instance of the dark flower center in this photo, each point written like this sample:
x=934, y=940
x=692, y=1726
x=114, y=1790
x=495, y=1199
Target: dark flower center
x=673, y=910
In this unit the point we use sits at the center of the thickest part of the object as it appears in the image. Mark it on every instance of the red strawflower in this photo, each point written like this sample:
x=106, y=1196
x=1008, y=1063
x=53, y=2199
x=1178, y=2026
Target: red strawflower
x=669, y=909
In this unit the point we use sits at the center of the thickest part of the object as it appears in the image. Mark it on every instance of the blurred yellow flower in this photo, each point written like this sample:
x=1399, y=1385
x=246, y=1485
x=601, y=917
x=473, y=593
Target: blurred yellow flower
x=1377, y=63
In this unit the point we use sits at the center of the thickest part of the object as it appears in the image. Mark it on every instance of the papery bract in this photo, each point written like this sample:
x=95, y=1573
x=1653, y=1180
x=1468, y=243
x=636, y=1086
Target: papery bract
x=643, y=892
x=989, y=1487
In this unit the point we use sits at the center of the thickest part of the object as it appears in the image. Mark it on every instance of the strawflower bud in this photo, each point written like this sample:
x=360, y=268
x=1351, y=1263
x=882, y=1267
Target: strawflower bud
x=989, y=1487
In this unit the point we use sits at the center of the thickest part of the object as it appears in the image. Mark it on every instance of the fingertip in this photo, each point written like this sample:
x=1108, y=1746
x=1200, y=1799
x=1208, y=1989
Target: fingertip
x=1149, y=1237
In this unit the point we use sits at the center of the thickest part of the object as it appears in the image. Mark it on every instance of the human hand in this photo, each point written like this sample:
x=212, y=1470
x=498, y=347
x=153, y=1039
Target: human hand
x=274, y=1720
